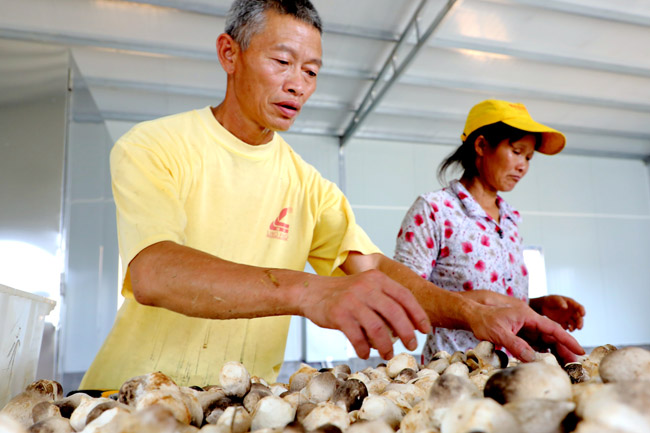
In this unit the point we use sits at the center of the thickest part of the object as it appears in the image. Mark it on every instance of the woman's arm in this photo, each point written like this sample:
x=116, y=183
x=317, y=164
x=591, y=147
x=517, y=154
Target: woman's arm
x=502, y=323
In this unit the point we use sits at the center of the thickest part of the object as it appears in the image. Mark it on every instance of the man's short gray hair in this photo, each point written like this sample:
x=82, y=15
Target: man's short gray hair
x=247, y=17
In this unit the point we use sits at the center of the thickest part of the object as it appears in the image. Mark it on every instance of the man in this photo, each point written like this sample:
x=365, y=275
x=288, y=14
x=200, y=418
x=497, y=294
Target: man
x=217, y=217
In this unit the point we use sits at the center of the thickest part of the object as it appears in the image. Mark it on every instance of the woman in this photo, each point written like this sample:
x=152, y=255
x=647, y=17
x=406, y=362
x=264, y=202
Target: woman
x=465, y=237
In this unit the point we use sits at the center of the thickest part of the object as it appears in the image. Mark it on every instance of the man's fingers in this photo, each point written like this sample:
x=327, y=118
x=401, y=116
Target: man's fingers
x=416, y=314
x=357, y=338
x=397, y=319
x=376, y=331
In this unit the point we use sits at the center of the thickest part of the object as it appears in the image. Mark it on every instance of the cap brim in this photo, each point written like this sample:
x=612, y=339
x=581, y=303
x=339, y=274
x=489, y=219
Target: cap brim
x=553, y=141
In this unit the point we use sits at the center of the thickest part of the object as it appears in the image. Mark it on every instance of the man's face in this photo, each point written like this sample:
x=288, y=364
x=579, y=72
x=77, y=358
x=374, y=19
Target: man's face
x=276, y=74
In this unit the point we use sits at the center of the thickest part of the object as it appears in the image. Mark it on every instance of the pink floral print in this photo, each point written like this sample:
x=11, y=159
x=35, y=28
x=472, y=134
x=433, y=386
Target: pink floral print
x=459, y=247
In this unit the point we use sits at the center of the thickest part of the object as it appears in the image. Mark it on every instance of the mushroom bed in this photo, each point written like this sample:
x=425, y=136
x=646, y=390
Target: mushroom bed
x=481, y=390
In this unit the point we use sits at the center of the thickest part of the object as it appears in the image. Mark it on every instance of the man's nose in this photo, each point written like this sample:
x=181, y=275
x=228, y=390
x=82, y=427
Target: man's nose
x=294, y=83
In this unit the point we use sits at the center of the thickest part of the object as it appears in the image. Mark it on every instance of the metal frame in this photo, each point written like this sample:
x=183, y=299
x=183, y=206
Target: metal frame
x=379, y=87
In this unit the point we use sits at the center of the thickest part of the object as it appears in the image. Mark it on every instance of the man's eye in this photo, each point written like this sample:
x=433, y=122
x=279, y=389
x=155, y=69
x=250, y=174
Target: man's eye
x=312, y=73
x=282, y=62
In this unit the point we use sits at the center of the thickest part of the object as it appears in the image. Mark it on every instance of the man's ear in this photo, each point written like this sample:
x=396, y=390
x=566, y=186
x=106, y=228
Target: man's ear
x=480, y=144
x=227, y=51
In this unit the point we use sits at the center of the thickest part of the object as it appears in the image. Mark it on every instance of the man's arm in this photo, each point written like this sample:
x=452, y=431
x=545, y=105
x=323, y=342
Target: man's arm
x=364, y=306
x=493, y=321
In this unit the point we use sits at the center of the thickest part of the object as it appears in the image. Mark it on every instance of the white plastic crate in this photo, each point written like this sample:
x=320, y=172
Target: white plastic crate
x=22, y=318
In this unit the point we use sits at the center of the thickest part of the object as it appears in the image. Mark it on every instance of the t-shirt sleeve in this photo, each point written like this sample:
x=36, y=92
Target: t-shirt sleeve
x=336, y=233
x=418, y=240
x=147, y=195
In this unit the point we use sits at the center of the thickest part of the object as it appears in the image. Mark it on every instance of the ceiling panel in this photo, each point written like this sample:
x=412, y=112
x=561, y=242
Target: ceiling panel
x=577, y=64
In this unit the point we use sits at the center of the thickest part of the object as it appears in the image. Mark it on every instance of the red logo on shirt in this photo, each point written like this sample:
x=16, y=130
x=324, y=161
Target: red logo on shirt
x=279, y=229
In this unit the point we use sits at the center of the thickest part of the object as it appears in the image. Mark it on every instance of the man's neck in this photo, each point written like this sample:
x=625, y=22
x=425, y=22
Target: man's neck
x=249, y=134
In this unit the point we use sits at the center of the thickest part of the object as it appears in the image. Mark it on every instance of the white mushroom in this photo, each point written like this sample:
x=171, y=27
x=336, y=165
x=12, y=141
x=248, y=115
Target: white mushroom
x=421, y=418
x=157, y=389
x=235, y=419
x=438, y=365
x=618, y=405
x=540, y=415
x=457, y=369
x=377, y=386
x=526, y=381
x=234, y=379
x=482, y=415
x=9, y=425
x=320, y=388
x=272, y=412
x=376, y=426
x=55, y=424
x=278, y=389
x=350, y=395
x=20, y=407
x=326, y=413
x=376, y=407
x=300, y=377
x=399, y=363
x=410, y=392
x=628, y=363
x=256, y=393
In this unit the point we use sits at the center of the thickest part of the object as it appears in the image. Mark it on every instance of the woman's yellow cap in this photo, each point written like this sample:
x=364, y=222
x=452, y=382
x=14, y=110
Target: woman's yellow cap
x=515, y=115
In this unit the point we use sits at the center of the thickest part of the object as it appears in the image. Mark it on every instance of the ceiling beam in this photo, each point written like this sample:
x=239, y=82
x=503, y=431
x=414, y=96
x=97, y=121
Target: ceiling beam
x=393, y=69
x=619, y=15
x=221, y=12
x=435, y=115
x=489, y=47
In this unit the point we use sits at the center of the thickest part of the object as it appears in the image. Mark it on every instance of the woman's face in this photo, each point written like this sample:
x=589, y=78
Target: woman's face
x=501, y=167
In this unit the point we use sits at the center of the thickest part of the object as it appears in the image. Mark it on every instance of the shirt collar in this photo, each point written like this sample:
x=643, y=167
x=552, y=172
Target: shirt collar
x=474, y=210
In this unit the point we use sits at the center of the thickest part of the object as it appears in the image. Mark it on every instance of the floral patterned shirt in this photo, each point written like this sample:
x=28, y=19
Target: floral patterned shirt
x=449, y=239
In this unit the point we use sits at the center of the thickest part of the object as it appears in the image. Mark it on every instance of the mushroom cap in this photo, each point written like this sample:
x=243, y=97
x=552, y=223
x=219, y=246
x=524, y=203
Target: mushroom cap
x=350, y=394
x=51, y=425
x=540, y=415
x=457, y=369
x=235, y=379
x=618, y=405
x=438, y=365
x=235, y=419
x=320, y=388
x=300, y=377
x=449, y=389
x=399, y=363
x=526, y=381
x=628, y=363
x=479, y=415
x=420, y=418
x=576, y=372
x=272, y=412
x=326, y=413
x=376, y=426
x=376, y=407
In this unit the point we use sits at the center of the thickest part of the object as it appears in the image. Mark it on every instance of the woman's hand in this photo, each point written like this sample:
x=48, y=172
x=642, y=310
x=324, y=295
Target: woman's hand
x=561, y=309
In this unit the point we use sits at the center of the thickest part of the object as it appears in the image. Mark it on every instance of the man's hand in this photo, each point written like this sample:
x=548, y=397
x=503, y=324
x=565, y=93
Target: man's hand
x=563, y=310
x=517, y=325
x=368, y=307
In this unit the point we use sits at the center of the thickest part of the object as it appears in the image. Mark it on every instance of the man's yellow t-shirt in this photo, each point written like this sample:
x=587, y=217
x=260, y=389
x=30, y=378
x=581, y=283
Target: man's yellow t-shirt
x=186, y=179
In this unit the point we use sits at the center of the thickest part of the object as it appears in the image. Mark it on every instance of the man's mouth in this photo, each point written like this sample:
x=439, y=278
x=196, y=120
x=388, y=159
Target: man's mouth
x=288, y=108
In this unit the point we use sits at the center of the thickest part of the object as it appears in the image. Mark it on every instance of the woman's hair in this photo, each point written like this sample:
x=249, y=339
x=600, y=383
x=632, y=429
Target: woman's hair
x=465, y=156
x=247, y=17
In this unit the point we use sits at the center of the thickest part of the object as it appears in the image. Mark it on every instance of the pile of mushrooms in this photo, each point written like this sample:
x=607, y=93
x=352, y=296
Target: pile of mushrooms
x=480, y=391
